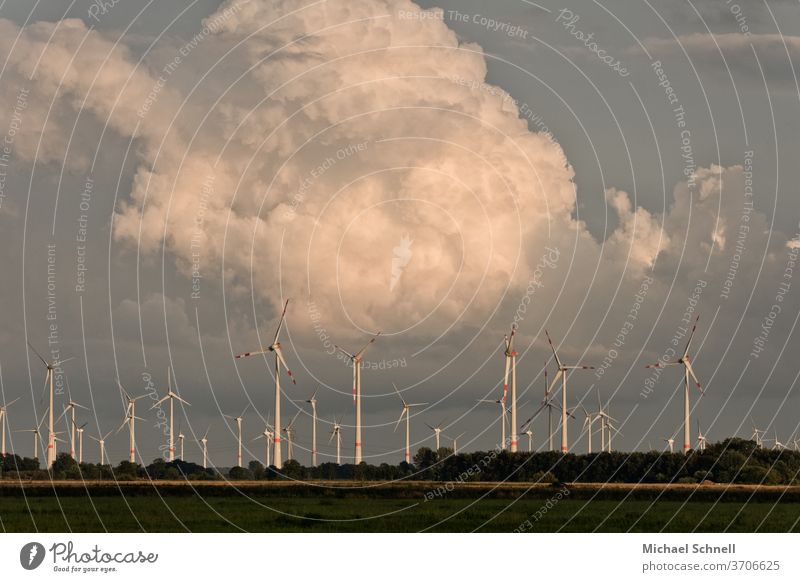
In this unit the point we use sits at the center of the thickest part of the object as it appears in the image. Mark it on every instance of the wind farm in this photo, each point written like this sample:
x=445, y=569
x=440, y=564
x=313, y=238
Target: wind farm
x=599, y=468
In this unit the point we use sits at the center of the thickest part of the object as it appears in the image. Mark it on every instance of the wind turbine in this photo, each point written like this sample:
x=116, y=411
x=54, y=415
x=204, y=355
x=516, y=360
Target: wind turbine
x=671, y=443
x=70, y=407
x=758, y=434
x=606, y=424
x=36, y=435
x=289, y=430
x=275, y=347
x=102, y=442
x=503, y=420
x=611, y=429
x=337, y=432
x=511, y=365
x=238, y=420
x=701, y=439
x=130, y=419
x=684, y=361
x=407, y=413
x=3, y=414
x=529, y=432
x=313, y=402
x=357, y=360
x=546, y=403
x=172, y=397
x=49, y=379
x=778, y=446
x=80, y=430
x=455, y=442
x=562, y=373
x=268, y=435
x=204, y=442
x=180, y=442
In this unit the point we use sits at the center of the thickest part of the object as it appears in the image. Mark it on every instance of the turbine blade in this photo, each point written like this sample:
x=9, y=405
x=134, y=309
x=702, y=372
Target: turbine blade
x=400, y=395
x=555, y=381
x=279, y=353
x=691, y=373
x=248, y=354
x=535, y=414
x=159, y=402
x=5, y=406
x=37, y=353
x=60, y=416
x=552, y=347
x=369, y=343
x=691, y=335
x=402, y=414
x=348, y=354
x=280, y=323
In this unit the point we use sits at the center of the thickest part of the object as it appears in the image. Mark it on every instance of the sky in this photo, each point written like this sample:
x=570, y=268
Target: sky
x=172, y=173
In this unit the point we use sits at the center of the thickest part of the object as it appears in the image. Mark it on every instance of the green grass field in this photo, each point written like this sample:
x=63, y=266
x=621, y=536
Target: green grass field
x=282, y=509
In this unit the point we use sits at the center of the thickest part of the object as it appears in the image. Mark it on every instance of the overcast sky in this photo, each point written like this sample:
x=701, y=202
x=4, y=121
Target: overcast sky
x=437, y=172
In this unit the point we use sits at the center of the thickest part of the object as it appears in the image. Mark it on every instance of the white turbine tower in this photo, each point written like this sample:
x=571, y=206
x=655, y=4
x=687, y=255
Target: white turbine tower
x=670, y=443
x=238, y=420
x=279, y=361
x=356, y=360
x=130, y=420
x=80, y=430
x=611, y=429
x=313, y=402
x=529, y=432
x=204, y=442
x=337, y=432
x=588, y=425
x=181, y=436
x=289, y=430
x=407, y=413
x=3, y=421
x=503, y=419
x=562, y=374
x=172, y=397
x=102, y=442
x=70, y=408
x=49, y=380
x=684, y=361
x=511, y=365
x=455, y=442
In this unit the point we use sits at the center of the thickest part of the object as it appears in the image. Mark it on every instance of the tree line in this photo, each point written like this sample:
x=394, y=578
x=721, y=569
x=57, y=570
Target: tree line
x=731, y=461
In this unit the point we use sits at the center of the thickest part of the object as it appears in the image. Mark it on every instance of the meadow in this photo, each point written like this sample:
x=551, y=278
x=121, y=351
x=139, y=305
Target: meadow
x=406, y=507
